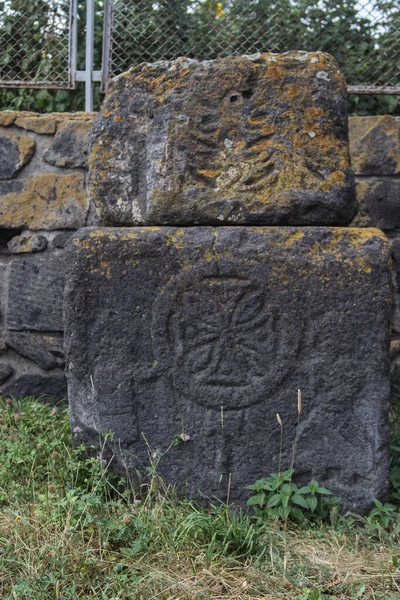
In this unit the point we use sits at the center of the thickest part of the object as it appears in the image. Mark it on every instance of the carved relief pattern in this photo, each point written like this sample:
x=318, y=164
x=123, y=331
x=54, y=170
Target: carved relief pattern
x=220, y=340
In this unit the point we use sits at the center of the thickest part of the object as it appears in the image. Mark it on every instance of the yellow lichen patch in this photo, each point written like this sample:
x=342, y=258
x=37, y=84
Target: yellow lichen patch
x=288, y=238
x=176, y=238
x=293, y=91
x=337, y=177
x=7, y=118
x=346, y=246
x=48, y=201
x=39, y=124
x=313, y=112
x=210, y=173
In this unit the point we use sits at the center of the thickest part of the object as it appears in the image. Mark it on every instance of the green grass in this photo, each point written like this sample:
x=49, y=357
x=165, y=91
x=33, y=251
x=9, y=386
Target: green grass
x=68, y=531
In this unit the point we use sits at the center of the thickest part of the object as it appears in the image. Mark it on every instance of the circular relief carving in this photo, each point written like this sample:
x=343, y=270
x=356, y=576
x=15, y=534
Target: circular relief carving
x=222, y=339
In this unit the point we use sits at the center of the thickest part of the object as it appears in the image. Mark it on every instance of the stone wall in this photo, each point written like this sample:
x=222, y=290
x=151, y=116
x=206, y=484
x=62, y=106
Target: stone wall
x=43, y=199
x=375, y=156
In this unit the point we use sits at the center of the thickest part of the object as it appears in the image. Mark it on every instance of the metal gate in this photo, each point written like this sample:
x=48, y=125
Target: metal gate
x=38, y=43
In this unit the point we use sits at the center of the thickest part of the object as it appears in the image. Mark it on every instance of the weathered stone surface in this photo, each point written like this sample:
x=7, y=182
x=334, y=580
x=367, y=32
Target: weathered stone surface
x=49, y=388
x=70, y=147
x=245, y=140
x=209, y=332
x=35, y=293
x=48, y=201
x=6, y=370
x=375, y=145
x=44, y=124
x=27, y=243
x=3, y=345
x=379, y=202
x=7, y=118
x=15, y=152
x=47, y=351
x=396, y=256
x=61, y=239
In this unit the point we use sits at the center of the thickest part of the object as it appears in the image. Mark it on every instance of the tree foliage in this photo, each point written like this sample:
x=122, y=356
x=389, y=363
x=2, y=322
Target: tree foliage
x=366, y=44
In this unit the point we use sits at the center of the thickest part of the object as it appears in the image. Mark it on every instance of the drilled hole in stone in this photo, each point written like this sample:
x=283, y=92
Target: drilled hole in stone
x=234, y=98
x=247, y=94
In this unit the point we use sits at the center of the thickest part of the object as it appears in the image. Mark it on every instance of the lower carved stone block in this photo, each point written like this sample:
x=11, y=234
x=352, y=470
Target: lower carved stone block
x=207, y=333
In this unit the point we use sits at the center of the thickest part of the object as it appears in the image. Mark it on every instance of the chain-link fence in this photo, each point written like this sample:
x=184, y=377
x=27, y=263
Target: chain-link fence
x=363, y=35
x=36, y=43
x=37, y=38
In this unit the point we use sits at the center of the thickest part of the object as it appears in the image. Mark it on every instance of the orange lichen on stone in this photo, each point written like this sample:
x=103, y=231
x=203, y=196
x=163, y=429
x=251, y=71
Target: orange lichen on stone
x=48, y=201
x=42, y=124
x=225, y=139
x=7, y=118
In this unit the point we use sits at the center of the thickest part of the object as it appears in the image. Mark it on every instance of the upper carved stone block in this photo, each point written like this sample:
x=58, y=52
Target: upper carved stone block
x=259, y=139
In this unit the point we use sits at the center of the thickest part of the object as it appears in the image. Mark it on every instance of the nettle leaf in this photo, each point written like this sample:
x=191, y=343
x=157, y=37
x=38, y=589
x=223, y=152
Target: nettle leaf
x=300, y=500
x=257, y=499
x=274, y=500
x=322, y=490
x=261, y=484
x=312, y=503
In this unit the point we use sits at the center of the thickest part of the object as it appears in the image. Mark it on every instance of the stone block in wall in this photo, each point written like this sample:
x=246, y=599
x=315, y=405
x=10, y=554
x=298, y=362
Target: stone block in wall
x=241, y=140
x=46, y=351
x=51, y=388
x=375, y=145
x=46, y=201
x=379, y=203
x=35, y=293
x=21, y=244
x=42, y=124
x=15, y=152
x=70, y=146
x=208, y=333
x=7, y=118
x=6, y=370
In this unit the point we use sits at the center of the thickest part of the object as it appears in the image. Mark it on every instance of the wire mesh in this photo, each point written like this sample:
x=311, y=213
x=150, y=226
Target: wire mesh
x=35, y=43
x=363, y=35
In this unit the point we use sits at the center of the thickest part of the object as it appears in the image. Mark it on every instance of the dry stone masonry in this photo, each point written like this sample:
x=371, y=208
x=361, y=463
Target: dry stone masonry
x=20, y=241
x=43, y=161
x=186, y=328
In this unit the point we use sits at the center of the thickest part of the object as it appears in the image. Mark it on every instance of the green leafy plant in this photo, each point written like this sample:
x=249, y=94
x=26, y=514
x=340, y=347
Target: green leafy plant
x=384, y=515
x=278, y=497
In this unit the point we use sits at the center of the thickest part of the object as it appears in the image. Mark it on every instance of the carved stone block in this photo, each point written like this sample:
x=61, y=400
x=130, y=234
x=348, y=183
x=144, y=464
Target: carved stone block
x=208, y=333
x=257, y=139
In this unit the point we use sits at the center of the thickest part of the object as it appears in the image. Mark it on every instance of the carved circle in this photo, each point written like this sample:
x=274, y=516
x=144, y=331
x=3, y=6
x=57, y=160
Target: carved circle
x=220, y=338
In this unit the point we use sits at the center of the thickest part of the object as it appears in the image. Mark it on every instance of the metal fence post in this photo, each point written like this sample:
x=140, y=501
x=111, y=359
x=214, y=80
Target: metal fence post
x=89, y=54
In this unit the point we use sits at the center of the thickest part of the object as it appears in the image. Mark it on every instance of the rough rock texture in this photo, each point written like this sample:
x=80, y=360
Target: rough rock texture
x=46, y=201
x=6, y=371
x=21, y=244
x=47, y=351
x=7, y=118
x=39, y=124
x=15, y=152
x=35, y=293
x=245, y=140
x=52, y=388
x=70, y=146
x=208, y=332
x=41, y=204
x=375, y=145
x=379, y=201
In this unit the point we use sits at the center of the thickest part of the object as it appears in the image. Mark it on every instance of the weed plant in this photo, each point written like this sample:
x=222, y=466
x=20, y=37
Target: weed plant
x=67, y=531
